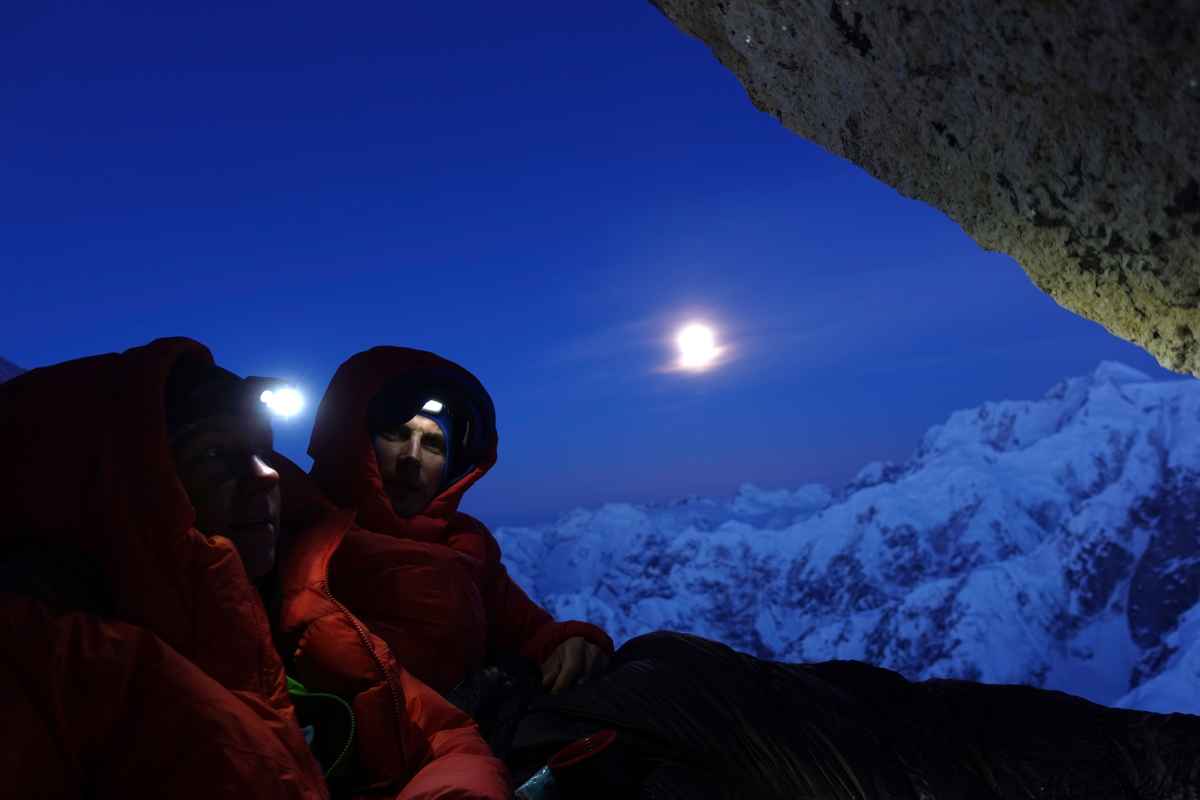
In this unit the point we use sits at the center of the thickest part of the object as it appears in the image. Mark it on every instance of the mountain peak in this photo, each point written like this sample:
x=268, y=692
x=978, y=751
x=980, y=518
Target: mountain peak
x=1118, y=373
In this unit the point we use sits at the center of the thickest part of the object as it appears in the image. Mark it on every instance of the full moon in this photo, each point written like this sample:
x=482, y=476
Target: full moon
x=697, y=346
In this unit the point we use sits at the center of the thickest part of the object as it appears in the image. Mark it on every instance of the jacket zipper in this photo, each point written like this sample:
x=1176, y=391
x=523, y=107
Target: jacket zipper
x=365, y=638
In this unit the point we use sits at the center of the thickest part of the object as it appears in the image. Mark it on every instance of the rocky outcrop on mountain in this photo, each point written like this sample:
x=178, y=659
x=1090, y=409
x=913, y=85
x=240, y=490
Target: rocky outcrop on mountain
x=1060, y=133
x=1049, y=542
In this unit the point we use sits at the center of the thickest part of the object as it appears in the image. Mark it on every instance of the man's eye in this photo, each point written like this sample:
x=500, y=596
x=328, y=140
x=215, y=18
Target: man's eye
x=208, y=456
x=435, y=445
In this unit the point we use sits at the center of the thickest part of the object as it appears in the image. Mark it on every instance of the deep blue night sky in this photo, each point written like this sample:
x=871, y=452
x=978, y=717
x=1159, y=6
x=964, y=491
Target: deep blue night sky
x=540, y=191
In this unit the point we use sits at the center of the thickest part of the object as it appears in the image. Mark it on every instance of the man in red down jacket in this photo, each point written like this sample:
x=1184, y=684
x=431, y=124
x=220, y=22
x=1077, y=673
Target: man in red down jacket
x=399, y=437
x=140, y=659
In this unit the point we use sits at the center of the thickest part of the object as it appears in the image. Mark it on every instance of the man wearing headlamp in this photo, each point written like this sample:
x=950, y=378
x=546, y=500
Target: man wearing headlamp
x=221, y=440
x=400, y=436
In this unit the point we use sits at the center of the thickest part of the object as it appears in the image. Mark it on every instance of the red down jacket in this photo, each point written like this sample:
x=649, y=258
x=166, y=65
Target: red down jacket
x=432, y=586
x=139, y=659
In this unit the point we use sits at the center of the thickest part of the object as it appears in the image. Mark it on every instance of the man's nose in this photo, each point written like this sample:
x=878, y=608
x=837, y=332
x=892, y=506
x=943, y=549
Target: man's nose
x=412, y=449
x=259, y=475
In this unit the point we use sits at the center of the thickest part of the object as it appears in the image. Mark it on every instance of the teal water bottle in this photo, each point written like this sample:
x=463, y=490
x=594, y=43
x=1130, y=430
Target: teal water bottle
x=539, y=787
x=573, y=772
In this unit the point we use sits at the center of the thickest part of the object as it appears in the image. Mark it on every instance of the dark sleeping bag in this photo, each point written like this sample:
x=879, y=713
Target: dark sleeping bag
x=696, y=719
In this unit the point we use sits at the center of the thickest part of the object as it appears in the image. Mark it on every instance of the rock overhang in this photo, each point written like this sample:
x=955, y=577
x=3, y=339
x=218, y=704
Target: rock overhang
x=1063, y=133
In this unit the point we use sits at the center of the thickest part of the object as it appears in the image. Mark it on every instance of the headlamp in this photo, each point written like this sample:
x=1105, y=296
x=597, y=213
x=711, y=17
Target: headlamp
x=433, y=407
x=283, y=402
x=197, y=391
x=279, y=398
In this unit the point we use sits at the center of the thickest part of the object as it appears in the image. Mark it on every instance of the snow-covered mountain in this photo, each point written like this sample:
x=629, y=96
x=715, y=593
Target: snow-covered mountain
x=8, y=370
x=1050, y=542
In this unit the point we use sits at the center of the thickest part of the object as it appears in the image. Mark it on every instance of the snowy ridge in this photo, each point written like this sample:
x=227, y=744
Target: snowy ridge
x=1050, y=542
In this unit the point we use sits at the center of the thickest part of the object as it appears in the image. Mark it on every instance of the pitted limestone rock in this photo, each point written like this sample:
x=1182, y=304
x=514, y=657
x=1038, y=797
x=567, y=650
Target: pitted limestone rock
x=1062, y=132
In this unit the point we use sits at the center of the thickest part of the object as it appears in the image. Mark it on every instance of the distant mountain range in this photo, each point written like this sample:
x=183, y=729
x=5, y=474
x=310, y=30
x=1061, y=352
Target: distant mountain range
x=8, y=370
x=1050, y=542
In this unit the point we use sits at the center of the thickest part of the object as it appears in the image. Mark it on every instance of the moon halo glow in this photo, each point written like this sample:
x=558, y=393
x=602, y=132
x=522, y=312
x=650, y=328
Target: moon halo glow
x=697, y=345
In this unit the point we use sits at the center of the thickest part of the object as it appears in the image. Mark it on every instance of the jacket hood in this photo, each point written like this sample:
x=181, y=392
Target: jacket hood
x=86, y=472
x=344, y=463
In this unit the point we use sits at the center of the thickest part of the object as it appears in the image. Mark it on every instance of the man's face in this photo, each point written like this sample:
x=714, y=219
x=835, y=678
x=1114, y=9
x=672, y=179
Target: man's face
x=411, y=459
x=224, y=464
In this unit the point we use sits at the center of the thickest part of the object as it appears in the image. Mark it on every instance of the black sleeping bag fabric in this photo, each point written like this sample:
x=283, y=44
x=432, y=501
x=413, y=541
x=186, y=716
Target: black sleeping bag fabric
x=696, y=719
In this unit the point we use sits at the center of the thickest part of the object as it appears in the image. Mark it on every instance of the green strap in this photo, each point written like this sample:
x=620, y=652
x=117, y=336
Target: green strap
x=295, y=687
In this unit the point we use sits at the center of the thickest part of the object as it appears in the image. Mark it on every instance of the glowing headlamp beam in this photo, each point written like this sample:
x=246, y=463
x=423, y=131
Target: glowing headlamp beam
x=433, y=407
x=285, y=402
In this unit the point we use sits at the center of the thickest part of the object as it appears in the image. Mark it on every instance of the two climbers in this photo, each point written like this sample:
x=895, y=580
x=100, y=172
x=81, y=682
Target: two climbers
x=170, y=589
x=156, y=634
x=169, y=572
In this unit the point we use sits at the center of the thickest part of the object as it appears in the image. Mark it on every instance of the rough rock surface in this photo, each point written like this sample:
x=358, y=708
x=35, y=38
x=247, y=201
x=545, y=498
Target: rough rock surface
x=1062, y=132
